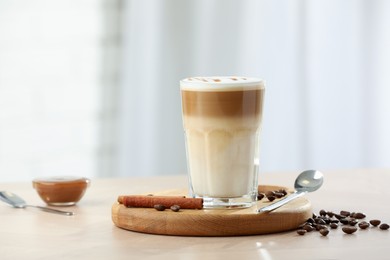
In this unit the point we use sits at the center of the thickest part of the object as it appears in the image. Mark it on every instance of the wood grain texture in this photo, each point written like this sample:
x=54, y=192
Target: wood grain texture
x=213, y=222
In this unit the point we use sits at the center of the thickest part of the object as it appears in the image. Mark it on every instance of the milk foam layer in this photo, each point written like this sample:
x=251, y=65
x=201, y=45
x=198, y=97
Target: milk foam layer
x=221, y=83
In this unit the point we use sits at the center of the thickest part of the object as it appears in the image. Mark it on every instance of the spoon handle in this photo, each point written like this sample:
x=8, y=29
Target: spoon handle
x=67, y=213
x=281, y=202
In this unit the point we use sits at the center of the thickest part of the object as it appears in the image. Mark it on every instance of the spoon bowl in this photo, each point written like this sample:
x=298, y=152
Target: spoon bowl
x=17, y=202
x=307, y=181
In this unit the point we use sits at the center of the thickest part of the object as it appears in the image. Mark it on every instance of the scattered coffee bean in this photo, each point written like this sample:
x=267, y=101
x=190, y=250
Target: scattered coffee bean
x=358, y=215
x=320, y=221
x=352, y=222
x=272, y=194
x=310, y=220
x=345, y=213
x=260, y=196
x=333, y=225
x=319, y=227
x=327, y=220
x=330, y=214
x=175, y=208
x=301, y=226
x=324, y=231
x=283, y=191
x=375, y=222
x=308, y=228
x=278, y=195
x=271, y=198
x=322, y=212
x=349, y=229
x=384, y=226
x=364, y=225
x=159, y=207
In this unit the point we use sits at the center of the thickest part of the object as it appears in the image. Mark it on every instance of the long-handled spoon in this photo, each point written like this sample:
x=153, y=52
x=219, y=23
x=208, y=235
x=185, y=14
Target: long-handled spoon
x=17, y=202
x=307, y=181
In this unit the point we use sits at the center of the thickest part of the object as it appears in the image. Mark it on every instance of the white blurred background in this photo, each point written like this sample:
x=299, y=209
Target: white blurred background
x=91, y=87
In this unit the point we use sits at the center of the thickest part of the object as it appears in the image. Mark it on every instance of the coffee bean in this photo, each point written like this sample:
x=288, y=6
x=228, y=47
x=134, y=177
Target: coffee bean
x=301, y=232
x=361, y=215
x=310, y=220
x=339, y=216
x=358, y=215
x=345, y=213
x=283, y=191
x=327, y=220
x=334, y=221
x=319, y=227
x=308, y=228
x=375, y=222
x=384, y=226
x=352, y=222
x=349, y=229
x=175, y=208
x=324, y=231
x=363, y=224
x=333, y=225
x=301, y=226
x=330, y=214
x=271, y=198
x=344, y=221
x=322, y=212
x=260, y=196
x=159, y=207
x=320, y=221
x=278, y=195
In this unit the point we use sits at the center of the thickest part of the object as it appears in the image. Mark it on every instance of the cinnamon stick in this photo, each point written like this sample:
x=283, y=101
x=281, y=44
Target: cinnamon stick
x=142, y=201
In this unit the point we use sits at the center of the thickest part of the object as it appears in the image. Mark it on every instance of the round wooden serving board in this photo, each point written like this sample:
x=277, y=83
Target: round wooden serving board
x=213, y=222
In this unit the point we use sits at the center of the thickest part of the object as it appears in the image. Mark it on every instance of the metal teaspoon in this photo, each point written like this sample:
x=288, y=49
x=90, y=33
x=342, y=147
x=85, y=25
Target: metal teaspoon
x=307, y=181
x=17, y=202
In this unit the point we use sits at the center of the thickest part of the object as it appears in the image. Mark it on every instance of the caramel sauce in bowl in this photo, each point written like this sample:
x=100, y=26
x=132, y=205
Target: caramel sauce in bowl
x=61, y=191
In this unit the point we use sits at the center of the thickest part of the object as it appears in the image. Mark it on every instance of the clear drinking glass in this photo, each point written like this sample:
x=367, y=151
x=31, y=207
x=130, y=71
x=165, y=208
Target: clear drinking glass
x=222, y=120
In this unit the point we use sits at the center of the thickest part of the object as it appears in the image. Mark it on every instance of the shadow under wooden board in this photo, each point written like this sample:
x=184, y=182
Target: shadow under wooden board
x=213, y=222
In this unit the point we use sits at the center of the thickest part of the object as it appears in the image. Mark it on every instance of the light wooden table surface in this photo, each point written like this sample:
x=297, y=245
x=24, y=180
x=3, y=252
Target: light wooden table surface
x=90, y=234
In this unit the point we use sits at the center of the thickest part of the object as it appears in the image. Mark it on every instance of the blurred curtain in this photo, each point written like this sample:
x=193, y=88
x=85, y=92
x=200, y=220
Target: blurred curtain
x=50, y=67
x=326, y=64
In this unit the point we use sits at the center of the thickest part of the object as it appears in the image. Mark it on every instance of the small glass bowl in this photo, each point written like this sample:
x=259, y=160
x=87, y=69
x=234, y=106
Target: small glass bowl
x=61, y=191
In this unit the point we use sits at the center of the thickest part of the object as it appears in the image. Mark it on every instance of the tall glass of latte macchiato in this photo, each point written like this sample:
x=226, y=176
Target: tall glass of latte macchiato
x=222, y=119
